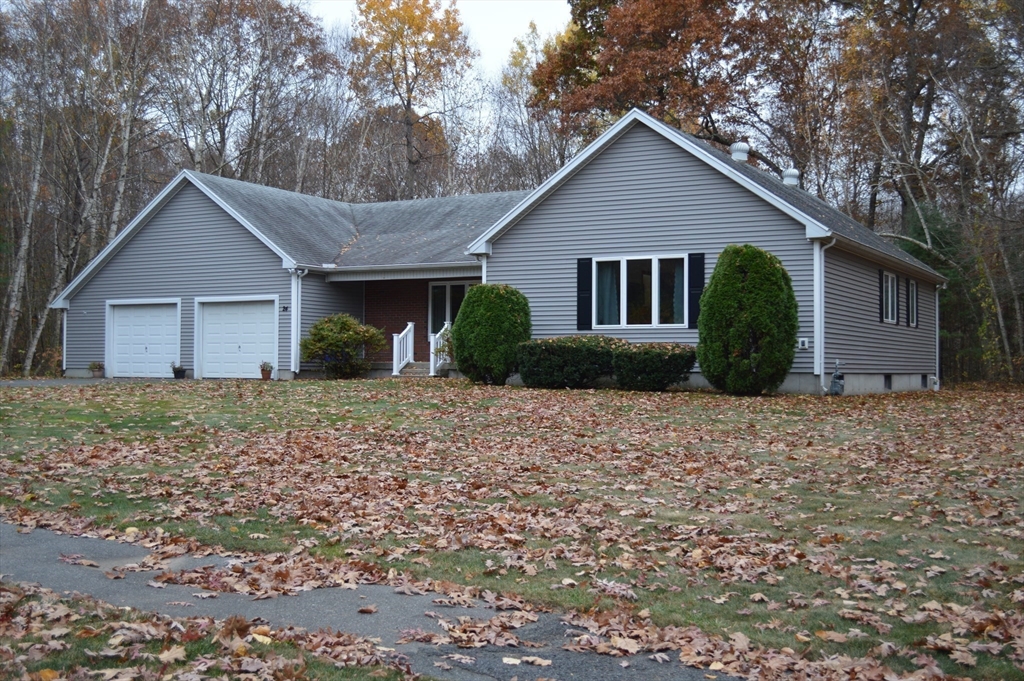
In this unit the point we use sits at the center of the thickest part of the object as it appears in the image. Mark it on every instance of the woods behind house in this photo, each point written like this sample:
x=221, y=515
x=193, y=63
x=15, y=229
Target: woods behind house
x=906, y=114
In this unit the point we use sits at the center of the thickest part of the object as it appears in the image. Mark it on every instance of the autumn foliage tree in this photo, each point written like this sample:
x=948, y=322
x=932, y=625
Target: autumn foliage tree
x=407, y=52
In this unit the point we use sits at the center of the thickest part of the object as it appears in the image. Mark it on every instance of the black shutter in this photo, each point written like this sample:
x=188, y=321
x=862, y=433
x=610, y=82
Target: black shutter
x=881, y=296
x=696, y=287
x=917, y=308
x=908, y=302
x=584, y=296
x=897, y=292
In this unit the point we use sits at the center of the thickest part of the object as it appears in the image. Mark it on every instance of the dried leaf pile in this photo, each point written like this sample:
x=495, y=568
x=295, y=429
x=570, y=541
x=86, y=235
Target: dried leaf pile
x=872, y=537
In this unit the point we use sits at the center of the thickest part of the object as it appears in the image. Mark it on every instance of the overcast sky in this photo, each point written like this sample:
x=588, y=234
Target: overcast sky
x=491, y=24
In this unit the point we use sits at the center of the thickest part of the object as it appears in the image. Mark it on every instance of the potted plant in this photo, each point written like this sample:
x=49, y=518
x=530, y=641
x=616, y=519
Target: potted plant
x=97, y=369
x=266, y=368
x=178, y=370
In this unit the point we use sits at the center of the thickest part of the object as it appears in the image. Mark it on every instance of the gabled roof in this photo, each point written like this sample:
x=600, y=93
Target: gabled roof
x=310, y=232
x=820, y=220
x=308, y=229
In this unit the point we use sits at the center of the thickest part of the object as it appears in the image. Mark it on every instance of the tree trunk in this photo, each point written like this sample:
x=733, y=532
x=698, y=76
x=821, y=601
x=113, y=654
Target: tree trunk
x=16, y=289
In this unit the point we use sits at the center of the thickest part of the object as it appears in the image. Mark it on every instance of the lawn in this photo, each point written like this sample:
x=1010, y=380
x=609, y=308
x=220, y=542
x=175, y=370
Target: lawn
x=835, y=537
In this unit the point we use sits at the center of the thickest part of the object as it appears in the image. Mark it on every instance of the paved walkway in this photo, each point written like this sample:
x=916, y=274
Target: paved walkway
x=35, y=557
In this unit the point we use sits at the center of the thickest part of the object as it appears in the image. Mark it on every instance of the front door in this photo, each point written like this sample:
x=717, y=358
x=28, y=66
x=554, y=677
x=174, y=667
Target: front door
x=445, y=301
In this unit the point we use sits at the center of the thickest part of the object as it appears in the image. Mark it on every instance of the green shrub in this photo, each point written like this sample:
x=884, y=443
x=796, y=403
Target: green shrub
x=652, y=366
x=566, y=361
x=748, y=322
x=339, y=343
x=493, y=320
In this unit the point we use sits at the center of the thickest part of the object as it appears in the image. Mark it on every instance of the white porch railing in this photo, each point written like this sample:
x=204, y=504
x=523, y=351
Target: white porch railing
x=401, y=353
x=438, y=359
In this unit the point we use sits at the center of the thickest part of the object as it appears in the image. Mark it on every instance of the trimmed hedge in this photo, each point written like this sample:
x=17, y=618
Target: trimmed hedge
x=339, y=344
x=748, y=322
x=566, y=361
x=578, y=361
x=492, y=321
x=652, y=367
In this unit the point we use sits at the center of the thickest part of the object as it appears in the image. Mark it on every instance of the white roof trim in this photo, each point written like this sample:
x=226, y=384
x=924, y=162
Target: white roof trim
x=62, y=301
x=814, y=229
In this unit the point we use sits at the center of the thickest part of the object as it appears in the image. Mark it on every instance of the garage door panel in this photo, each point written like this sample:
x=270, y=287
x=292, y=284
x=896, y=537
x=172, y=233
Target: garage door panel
x=236, y=337
x=145, y=340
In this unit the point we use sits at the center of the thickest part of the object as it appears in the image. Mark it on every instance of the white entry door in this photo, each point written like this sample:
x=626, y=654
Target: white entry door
x=236, y=337
x=145, y=340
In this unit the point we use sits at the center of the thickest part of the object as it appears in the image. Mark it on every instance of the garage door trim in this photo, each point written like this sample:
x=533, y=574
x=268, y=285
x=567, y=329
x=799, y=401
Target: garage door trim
x=108, y=332
x=197, y=337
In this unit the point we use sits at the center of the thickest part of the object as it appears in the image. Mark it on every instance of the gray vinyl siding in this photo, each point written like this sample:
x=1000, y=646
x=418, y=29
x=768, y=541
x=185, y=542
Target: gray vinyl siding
x=643, y=196
x=321, y=299
x=853, y=334
x=190, y=248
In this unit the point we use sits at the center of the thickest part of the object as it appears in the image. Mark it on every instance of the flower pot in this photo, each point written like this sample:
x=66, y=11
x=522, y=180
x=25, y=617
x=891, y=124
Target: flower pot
x=97, y=373
x=179, y=373
x=265, y=373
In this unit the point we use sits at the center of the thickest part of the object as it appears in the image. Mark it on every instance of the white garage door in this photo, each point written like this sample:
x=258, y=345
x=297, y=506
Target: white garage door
x=237, y=337
x=145, y=340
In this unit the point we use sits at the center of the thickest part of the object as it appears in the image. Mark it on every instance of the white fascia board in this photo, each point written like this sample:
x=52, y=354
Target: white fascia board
x=814, y=229
x=62, y=301
x=387, y=268
x=286, y=260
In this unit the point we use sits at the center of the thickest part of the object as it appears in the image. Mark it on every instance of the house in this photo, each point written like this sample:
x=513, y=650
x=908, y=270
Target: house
x=220, y=275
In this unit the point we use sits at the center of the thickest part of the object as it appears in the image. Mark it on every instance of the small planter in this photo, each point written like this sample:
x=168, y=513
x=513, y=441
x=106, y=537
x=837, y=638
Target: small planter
x=97, y=369
x=265, y=373
x=179, y=373
x=97, y=373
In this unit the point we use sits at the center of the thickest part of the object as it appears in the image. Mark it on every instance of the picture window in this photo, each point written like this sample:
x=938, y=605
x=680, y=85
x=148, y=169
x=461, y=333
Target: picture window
x=640, y=291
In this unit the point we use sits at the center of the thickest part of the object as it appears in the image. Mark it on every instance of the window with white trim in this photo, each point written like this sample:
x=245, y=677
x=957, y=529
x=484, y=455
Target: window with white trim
x=642, y=291
x=890, y=297
x=911, y=302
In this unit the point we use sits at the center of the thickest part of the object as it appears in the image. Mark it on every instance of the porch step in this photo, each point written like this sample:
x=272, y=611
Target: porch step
x=416, y=370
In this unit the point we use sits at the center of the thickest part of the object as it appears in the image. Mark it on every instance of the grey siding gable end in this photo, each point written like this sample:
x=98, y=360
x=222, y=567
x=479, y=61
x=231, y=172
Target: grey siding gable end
x=189, y=248
x=185, y=178
x=643, y=195
x=819, y=219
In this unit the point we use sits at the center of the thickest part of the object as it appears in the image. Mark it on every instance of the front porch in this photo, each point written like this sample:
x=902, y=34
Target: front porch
x=412, y=312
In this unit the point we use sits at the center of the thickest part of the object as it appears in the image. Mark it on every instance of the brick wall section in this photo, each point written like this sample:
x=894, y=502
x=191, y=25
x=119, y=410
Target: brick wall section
x=390, y=305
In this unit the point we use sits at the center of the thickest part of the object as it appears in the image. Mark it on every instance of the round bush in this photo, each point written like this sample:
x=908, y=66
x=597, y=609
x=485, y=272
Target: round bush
x=748, y=322
x=493, y=320
x=340, y=344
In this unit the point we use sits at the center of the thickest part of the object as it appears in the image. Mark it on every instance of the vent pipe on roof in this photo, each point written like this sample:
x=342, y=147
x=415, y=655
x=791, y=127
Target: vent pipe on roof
x=739, y=151
x=791, y=177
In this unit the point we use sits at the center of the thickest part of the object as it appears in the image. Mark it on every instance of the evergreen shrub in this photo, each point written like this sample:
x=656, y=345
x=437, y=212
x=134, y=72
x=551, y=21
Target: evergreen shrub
x=340, y=344
x=652, y=366
x=566, y=361
x=748, y=322
x=493, y=320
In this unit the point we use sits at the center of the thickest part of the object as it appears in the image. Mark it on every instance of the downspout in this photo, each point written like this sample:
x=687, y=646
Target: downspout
x=935, y=381
x=64, y=341
x=296, y=330
x=819, y=314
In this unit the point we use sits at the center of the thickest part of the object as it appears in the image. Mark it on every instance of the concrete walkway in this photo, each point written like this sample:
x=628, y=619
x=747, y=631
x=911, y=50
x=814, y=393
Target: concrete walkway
x=35, y=557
